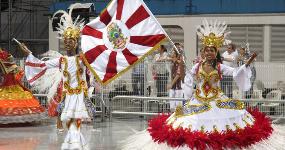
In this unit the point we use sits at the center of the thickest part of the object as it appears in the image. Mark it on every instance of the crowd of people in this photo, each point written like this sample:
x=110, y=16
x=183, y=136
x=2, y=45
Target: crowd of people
x=167, y=73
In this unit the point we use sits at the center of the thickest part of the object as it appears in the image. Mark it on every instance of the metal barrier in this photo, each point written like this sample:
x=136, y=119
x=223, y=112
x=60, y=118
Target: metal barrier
x=149, y=106
x=145, y=107
x=100, y=105
x=273, y=108
x=96, y=100
x=42, y=99
x=144, y=80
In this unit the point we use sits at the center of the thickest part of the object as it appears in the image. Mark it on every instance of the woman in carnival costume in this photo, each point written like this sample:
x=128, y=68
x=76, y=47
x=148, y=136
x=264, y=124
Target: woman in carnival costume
x=209, y=119
x=17, y=103
x=71, y=70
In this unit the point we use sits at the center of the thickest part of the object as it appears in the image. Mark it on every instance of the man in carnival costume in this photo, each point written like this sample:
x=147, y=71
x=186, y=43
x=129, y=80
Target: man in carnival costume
x=209, y=119
x=72, y=71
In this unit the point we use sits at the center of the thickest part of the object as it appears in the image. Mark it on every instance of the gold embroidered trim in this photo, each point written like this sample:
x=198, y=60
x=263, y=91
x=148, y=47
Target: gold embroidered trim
x=179, y=110
x=81, y=83
x=207, y=99
x=215, y=129
x=228, y=128
x=179, y=125
x=190, y=127
x=202, y=129
x=230, y=104
x=236, y=125
x=250, y=118
x=192, y=109
x=247, y=124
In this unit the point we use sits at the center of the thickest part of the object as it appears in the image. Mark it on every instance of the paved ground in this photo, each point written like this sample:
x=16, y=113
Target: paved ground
x=43, y=136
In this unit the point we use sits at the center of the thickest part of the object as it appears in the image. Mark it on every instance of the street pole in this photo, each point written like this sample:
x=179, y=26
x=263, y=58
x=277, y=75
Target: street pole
x=9, y=24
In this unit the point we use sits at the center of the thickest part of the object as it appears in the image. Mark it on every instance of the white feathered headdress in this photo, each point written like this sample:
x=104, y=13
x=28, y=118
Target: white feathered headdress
x=213, y=33
x=66, y=27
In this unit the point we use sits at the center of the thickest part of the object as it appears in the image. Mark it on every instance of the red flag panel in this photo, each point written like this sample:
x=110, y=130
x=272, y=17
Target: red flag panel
x=87, y=30
x=105, y=17
x=148, y=40
x=92, y=54
x=111, y=70
x=131, y=58
x=119, y=9
x=139, y=15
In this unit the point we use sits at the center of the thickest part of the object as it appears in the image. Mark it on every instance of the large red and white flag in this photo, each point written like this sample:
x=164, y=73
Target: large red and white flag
x=124, y=33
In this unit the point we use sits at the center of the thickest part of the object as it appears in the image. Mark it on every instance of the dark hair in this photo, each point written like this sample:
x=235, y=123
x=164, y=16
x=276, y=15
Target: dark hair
x=163, y=47
x=177, y=44
x=176, y=53
x=217, y=61
x=218, y=58
x=233, y=46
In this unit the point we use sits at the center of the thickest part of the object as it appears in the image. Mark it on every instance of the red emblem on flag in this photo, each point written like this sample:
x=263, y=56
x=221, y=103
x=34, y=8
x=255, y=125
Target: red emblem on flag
x=125, y=32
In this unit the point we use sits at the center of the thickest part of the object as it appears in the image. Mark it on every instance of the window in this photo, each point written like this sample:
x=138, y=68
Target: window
x=176, y=33
x=277, y=53
x=253, y=35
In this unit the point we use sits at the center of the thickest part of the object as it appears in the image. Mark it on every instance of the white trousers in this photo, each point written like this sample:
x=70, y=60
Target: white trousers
x=175, y=94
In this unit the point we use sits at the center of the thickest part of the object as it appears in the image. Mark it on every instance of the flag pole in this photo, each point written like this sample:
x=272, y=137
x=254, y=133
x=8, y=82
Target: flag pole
x=147, y=9
x=175, y=48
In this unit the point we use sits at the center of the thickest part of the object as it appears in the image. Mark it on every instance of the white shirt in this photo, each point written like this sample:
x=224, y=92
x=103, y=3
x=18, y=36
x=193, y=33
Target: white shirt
x=161, y=67
x=233, y=56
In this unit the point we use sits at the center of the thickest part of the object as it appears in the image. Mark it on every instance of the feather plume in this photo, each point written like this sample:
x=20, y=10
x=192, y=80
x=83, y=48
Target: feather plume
x=216, y=28
x=49, y=82
x=67, y=22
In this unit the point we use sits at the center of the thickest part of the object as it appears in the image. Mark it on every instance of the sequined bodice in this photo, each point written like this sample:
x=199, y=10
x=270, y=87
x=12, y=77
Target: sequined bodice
x=212, y=77
x=208, y=86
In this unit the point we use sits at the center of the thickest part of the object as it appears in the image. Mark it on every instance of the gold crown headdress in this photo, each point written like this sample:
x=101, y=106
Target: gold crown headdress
x=213, y=34
x=66, y=27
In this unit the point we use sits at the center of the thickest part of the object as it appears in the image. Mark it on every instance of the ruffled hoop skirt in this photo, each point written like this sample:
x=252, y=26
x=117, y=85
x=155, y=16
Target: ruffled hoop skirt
x=18, y=105
x=163, y=135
